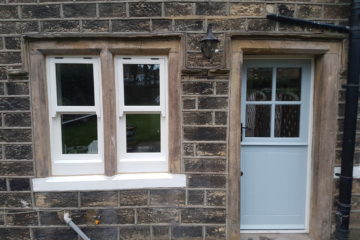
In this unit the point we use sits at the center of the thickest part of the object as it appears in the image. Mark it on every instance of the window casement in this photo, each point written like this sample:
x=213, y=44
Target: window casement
x=75, y=116
x=141, y=84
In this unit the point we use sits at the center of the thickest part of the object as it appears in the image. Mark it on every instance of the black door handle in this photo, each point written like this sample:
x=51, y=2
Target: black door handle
x=242, y=128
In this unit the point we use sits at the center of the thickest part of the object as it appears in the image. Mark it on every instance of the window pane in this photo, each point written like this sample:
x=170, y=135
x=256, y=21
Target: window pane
x=288, y=84
x=74, y=84
x=287, y=120
x=143, y=132
x=141, y=83
x=79, y=133
x=258, y=120
x=259, y=84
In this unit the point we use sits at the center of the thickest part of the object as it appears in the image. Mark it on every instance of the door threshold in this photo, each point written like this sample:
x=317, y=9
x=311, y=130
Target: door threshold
x=274, y=236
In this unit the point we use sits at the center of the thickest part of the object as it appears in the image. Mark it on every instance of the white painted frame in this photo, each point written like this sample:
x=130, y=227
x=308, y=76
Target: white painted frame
x=74, y=164
x=308, y=137
x=141, y=162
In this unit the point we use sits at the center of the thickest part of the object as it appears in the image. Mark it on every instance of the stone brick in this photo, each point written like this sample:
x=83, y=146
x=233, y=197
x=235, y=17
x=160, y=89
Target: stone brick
x=9, y=12
x=212, y=103
x=197, y=118
x=99, y=199
x=21, y=1
x=189, y=103
x=133, y=25
x=2, y=89
x=203, y=215
x=54, y=234
x=60, y=26
x=145, y=9
x=205, y=165
x=161, y=232
x=18, y=152
x=21, y=218
x=108, y=233
x=41, y=11
x=173, y=197
x=17, y=88
x=337, y=11
x=15, y=233
x=204, y=133
x=19, y=184
x=261, y=25
x=16, y=168
x=188, y=149
x=56, y=199
x=12, y=43
x=10, y=57
x=215, y=233
x=18, y=27
x=135, y=233
x=95, y=26
x=17, y=119
x=157, y=215
x=76, y=10
x=133, y=198
x=197, y=59
x=233, y=24
x=3, y=185
x=178, y=9
x=195, y=197
x=246, y=9
x=288, y=27
x=210, y=8
x=211, y=149
x=161, y=25
x=309, y=11
x=187, y=233
x=202, y=88
x=220, y=118
x=215, y=198
x=222, y=88
x=3, y=72
x=188, y=25
x=206, y=181
x=15, y=200
x=112, y=9
x=286, y=10
x=15, y=135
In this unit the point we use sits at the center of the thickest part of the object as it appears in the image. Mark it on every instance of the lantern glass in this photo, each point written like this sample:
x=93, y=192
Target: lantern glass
x=208, y=48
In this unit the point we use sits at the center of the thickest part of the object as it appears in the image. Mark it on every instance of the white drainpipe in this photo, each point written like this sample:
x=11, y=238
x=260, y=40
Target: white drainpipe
x=71, y=224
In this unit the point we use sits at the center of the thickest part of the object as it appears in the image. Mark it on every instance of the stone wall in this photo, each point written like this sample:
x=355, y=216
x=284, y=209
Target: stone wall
x=199, y=210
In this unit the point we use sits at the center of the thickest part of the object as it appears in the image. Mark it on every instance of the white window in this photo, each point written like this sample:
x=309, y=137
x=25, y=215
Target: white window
x=74, y=87
x=142, y=127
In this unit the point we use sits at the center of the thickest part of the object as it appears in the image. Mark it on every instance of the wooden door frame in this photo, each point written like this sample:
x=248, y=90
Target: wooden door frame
x=329, y=60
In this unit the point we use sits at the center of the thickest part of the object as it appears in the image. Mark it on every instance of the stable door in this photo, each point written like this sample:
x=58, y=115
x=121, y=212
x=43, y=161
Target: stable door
x=274, y=157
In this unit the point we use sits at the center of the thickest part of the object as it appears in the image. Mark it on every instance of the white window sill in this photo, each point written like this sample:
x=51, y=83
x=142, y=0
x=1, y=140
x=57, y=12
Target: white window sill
x=101, y=182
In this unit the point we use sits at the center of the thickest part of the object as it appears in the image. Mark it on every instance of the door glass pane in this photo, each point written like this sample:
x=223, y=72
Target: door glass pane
x=258, y=120
x=143, y=132
x=79, y=133
x=74, y=84
x=259, y=84
x=141, y=83
x=287, y=120
x=288, y=84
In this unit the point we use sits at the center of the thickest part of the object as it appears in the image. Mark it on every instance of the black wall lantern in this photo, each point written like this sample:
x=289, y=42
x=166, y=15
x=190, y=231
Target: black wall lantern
x=209, y=43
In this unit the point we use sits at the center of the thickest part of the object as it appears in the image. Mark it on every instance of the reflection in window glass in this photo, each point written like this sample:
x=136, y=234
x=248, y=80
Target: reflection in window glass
x=288, y=84
x=79, y=133
x=141, y=84
x=259, y=84
x=258, y=120
x=74, y=84
x=287, y=120
x=143, y=132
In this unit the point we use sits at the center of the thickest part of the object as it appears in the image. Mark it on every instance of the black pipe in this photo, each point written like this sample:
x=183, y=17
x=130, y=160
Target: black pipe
x=303, y=22
x=350, y=117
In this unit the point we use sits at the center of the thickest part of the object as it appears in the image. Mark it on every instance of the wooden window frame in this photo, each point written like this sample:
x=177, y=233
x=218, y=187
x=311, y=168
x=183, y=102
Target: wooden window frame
x=329, y=62
x=142, y=162
x=73, y=164
x=39, y=47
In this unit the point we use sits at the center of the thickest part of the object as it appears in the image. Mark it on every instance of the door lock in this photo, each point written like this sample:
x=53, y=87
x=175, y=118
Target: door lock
x=242, y=128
